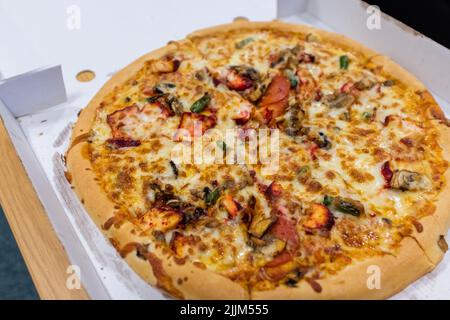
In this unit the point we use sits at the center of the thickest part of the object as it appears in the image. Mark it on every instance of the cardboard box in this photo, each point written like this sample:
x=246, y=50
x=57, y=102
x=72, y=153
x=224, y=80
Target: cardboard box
x=104, y=36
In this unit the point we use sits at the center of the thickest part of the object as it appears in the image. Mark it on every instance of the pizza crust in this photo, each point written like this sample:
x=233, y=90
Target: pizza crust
x=418, y=254
x=352, y=282
x=437, y=224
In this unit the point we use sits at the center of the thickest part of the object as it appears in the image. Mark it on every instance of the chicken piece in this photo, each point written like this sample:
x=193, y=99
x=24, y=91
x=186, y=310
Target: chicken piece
x=161, y=220
x=319, y=217
x=405, y=138
x=243, y=114
x=126, y=124
x=121, y=118
x=339, y=100
x=241, y=78
x=177, y=244
x=166, y=64
x=347, y=87
x=230, y=205
x=308, y=87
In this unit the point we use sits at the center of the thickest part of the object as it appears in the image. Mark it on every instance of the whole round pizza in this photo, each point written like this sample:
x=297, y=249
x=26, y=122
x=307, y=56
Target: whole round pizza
x=267, y=161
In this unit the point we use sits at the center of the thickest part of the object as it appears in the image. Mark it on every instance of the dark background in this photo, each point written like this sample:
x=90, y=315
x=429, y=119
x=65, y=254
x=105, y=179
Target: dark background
x=430, y=17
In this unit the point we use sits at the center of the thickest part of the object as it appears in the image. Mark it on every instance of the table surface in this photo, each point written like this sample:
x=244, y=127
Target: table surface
x=41, y=249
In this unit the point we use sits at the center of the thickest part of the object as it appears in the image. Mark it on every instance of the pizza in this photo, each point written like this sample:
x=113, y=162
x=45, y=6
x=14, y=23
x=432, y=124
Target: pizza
x=353, y=185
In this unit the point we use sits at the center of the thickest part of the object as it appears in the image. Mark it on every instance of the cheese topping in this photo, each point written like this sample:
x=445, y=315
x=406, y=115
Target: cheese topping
x=358, y=164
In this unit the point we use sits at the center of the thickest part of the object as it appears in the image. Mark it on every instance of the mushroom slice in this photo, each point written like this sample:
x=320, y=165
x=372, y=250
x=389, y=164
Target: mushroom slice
x=319, y=217
x=339, y=100
x=408, y=181
x=365, y=84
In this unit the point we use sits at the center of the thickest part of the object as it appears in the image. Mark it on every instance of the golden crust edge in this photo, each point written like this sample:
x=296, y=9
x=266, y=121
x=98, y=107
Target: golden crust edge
x=438, y=223
x=410, y=251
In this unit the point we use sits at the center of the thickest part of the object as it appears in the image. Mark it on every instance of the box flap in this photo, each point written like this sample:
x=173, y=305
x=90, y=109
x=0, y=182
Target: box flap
x=33, y=91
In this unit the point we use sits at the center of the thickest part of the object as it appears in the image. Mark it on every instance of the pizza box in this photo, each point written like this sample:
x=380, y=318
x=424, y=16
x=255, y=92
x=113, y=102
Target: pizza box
x=58, y=39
